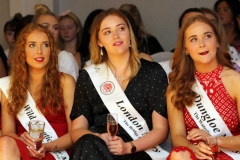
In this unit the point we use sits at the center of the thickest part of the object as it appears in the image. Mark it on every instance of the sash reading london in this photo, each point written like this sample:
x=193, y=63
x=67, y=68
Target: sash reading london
x=116, y=102
x=207, y=118
x=30, y=112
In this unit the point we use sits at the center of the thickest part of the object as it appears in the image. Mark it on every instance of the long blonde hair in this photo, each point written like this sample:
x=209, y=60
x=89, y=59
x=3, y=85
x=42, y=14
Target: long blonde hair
x=182, y=77
x=96, y=58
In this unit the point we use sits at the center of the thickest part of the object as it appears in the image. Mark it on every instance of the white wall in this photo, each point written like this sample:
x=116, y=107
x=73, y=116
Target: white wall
x=160, y=16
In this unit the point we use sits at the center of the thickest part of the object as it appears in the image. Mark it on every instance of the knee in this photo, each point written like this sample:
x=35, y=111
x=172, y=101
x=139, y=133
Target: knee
x=180, y=155
x=7, y=143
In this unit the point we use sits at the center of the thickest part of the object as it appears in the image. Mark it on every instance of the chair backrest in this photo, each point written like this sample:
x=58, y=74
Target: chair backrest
x=162, y=56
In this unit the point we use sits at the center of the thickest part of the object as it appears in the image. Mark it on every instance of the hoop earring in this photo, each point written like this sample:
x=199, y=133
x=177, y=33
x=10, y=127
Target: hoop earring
x=101, y=52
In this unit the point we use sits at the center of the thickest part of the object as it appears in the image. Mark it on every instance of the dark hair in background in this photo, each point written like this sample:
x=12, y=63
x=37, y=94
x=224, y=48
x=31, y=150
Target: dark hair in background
x=186, y=12
x=84, y=47
x=22, y=23
x=235, y=8
x=12, y=23
x=4, y=58
x=135, y=29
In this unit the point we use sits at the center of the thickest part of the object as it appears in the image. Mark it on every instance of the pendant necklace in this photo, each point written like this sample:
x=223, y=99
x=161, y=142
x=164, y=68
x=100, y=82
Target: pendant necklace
x=119, y=78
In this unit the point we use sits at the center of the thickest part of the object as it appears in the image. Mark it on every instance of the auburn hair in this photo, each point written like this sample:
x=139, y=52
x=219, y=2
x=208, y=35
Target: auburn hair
x=182, y=77
x=50, y=90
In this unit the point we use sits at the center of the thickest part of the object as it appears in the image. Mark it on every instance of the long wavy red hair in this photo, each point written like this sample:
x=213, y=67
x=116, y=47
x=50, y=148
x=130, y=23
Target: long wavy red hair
x=182, y=77
x=50, y=91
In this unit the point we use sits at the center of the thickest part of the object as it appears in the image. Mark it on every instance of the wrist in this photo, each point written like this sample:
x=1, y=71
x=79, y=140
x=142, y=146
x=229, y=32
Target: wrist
x=128, y=148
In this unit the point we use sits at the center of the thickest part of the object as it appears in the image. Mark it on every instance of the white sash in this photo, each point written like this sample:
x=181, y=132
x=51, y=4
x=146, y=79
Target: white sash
x=30, y=112
x=207, y=118
x=116, y=102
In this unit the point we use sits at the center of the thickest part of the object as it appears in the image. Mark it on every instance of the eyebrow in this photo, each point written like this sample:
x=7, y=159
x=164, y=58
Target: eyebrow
x=116, y=26
x=208, y=32
x=36, y=42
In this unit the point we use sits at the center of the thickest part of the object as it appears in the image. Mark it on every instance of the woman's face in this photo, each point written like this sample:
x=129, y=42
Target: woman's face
x=225, y=13
x=51, y=23
x=9, y=37
x=114, y=35
x=68, y=29
x=201, y=43
x=37, y=50
x=212, y=18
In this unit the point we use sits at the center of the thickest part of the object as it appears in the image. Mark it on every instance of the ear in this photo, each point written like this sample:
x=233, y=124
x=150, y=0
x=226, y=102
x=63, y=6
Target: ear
x=99, y=43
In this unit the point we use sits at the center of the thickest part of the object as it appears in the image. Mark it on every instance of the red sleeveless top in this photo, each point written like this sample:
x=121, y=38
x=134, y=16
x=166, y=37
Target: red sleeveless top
x=221, y=100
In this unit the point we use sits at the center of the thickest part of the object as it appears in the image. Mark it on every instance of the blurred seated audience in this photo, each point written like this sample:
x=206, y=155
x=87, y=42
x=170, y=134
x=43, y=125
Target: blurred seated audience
x=149, y=43
x=70, y=35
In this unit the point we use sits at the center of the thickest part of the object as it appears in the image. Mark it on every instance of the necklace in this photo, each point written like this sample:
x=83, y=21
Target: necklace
x=119, y=78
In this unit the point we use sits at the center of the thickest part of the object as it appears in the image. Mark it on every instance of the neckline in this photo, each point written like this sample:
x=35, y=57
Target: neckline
x=209, y=75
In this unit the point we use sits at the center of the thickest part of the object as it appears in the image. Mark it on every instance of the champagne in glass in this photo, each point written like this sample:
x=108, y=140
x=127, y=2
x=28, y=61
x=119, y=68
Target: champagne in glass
x=36, y=130
x=112, y=124
x=212, y=143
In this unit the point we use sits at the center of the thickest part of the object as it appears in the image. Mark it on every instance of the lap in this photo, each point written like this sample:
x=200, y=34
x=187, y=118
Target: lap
x=92, y=147
x=24, y=151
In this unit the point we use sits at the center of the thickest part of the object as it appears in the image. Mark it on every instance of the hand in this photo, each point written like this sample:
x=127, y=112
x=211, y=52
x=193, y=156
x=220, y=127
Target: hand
x=197, y=135
x=27, y=139
x=202, y=151
x=117, y=146
x=37, y=154
x=105, y=137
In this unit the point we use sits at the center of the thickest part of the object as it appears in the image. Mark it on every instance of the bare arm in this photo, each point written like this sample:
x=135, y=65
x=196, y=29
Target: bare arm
x=68, y=85
x=157, y=135
x=177, y=125
x=231, y=81
x=8, y=121
x=79, y=128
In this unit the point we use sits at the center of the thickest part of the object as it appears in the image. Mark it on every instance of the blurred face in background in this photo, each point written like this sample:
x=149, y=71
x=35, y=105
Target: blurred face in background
x=190, y=14
x=51, y=23
x=225, y=13
x=68, y=29
x=212, y=18
x=9, y=37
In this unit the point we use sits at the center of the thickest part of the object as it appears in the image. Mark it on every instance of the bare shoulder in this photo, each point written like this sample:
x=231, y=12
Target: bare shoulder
x=145, y=56
x=231, y=81
x=230, y=75
x=66, y=78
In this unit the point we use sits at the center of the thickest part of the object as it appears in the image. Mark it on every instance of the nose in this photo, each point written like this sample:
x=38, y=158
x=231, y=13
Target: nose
x=115, y=35
x=201, y=43
x=39, y=49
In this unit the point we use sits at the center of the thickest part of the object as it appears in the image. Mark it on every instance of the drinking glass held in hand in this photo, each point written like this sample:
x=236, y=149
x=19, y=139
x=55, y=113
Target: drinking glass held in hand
x=112, y=124
x=36, y=130
x=212, y=143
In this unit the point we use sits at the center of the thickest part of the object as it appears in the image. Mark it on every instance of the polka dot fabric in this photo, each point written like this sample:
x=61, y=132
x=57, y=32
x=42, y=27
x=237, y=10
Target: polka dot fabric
x=146, y=92
x=223, y=102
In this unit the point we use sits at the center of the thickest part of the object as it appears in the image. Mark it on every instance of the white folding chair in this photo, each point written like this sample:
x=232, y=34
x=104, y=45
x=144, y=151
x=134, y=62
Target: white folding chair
x=162, y=56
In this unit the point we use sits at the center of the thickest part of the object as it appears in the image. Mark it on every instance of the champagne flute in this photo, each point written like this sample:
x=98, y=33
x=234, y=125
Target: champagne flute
x=212, y=143
x=112, y=124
